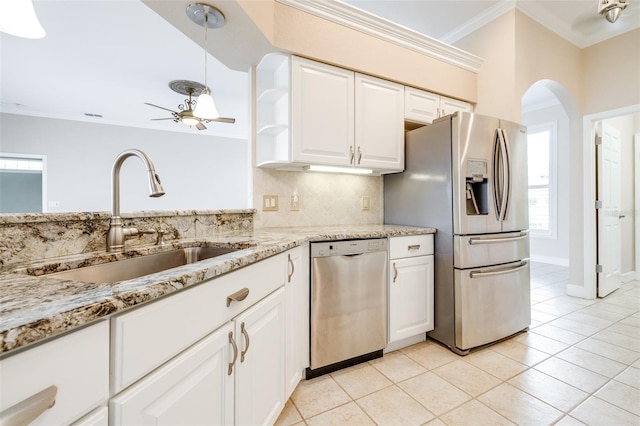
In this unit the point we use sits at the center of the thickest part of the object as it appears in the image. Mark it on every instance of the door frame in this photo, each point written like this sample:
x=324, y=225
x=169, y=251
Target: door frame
x=589, y=198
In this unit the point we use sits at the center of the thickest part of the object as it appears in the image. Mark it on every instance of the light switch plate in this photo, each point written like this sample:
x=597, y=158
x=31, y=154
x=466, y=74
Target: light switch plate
x=365, y=203
x=269, y=203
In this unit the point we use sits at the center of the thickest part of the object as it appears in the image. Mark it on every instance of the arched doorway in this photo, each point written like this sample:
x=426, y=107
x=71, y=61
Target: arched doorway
x=547, y=107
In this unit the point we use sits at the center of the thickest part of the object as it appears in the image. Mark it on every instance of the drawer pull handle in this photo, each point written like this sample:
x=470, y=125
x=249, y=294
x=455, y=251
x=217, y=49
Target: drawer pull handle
x=246, y=338
x=235, y=353
x=480, y=274
x=238, y=296
x=414, y=247
x=293, y=269
x=395, y=272
x=473, y=241
x=26, y=411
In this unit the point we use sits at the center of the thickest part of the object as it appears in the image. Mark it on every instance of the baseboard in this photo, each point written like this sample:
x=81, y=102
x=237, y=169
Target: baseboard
x=628, y=277
x=394, y=346
x=580, y=291
x=552, y=260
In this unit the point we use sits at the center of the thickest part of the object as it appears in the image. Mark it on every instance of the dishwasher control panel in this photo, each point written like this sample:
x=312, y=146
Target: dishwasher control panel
x=348, y=247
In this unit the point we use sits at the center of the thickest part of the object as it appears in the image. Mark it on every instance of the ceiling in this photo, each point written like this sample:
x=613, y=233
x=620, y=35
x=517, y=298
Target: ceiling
x=110, y=57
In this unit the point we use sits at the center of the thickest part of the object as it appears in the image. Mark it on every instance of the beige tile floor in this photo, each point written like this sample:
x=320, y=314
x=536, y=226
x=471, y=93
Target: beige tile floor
x=578, y=364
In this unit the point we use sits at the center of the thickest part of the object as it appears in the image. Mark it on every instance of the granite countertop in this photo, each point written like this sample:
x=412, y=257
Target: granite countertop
x=34, y=306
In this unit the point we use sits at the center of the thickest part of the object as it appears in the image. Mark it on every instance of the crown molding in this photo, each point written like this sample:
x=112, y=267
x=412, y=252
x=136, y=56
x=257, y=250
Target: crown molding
x=479, y=21
x=367, y=23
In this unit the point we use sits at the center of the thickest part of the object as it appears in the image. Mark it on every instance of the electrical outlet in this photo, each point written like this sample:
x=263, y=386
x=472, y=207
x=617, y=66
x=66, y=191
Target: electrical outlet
x=269, y=203
x=295, y=203
x=365, y=203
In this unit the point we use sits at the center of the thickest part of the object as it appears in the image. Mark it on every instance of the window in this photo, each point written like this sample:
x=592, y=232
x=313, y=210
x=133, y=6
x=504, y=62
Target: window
x=22, y=183
x=542, y=151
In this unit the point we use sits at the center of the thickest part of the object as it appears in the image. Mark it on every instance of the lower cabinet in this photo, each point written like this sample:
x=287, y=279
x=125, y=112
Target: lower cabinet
x=260, y=361
x=410, y=287
x=195, y=388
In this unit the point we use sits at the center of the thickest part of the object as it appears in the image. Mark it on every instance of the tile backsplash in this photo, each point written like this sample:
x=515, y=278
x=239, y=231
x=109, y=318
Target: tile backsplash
x=324, y=199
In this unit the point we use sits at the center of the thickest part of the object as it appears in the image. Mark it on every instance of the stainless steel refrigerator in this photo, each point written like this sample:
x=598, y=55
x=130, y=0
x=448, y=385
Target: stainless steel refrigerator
x=466, y=175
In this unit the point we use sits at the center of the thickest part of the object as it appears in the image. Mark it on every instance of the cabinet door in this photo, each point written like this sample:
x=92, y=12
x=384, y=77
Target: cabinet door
x=194, y=388
x=260, y=368
x=420, y=106
x=449, y=106
x=296, y=317
x=321, y=113
x=410, y=297
x=379, y=123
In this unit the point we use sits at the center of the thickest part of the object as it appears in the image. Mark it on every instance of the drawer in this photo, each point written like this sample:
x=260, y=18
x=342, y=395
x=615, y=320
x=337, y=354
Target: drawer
x=77, y=364
x=146, y=337
x=410, y=246
x=472, y=251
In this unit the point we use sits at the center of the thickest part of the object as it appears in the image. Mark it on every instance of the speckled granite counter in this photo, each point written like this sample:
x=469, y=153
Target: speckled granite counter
x=34, y=307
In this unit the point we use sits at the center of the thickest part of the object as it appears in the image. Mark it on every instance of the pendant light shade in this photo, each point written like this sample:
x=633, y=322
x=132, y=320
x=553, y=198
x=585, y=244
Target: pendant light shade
x=208, y=17
x=206, y=107
x=18, y=18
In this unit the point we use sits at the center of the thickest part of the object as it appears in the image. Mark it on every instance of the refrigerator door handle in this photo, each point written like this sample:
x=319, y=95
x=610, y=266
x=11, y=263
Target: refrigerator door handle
x=480, y=274
x=506, y=194
x=500, y=175
x=473, y=241
x=497, y=195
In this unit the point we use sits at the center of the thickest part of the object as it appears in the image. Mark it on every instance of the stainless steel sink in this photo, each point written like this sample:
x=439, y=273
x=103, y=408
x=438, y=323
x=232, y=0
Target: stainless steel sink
x=136, y=267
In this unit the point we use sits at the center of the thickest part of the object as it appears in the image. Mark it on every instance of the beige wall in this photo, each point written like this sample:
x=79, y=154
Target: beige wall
x=307, y=35
x=612, y=73
x=495, y=43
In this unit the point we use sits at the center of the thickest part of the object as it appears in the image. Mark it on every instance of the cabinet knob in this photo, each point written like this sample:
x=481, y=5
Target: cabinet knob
x=26, y=411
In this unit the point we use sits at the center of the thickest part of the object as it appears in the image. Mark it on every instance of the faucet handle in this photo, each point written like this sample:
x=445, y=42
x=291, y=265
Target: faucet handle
x=147, y=231
x=161, y=234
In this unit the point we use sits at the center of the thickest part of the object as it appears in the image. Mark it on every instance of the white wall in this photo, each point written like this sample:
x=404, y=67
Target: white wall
x=197, y=171
x=554, y=250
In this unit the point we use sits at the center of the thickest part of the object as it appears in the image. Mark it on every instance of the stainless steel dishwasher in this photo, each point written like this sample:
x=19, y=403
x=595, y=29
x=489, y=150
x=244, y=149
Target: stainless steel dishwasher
x=348, y=315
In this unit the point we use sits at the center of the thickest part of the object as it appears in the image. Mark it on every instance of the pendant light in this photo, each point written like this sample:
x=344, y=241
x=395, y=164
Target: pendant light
x=208, y=17
x=18, y=18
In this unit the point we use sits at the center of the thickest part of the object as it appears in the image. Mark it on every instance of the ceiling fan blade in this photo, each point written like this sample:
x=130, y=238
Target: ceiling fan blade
x=169, y=118
x=166, y=109
x=224, y=120
x=200, y=126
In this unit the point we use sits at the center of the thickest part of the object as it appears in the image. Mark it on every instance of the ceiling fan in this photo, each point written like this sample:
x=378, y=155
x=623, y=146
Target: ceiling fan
x=185, y=113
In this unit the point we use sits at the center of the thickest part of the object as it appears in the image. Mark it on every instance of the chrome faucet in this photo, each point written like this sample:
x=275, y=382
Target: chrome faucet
x=117, y=232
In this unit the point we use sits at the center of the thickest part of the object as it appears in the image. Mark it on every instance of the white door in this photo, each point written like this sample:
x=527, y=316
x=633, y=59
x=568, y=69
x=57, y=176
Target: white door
x=260, y=367
x=321, y=113
x=609, y=230
x=379, y=123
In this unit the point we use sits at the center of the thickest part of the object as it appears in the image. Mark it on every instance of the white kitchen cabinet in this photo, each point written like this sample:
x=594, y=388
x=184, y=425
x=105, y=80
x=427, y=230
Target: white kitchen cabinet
x=98, y=417
x=322, y=102
x=379, y=124
x=195, y=388
x=260, y=367
x=423, y=107
x=59, y=381
x=336, y=117
x=296, y=317
x=410, y=287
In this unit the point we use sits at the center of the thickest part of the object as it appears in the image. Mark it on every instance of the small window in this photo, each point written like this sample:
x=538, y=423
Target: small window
x=541, y=148
x=21, y=183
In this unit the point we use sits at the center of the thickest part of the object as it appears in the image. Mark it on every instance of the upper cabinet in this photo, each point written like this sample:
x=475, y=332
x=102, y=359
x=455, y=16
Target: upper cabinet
x=310, y=113
x=424, y=107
